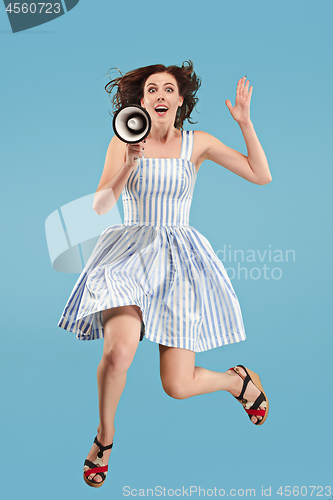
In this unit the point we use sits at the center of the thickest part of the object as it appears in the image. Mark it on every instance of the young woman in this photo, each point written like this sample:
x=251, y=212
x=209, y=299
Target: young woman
x=155, y=274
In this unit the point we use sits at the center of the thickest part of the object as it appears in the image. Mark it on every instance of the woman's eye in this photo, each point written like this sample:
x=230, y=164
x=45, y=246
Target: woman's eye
x=150, y=90
x=171, y=90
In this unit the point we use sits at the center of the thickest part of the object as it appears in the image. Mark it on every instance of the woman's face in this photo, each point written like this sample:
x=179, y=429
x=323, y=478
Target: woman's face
x=161, y=98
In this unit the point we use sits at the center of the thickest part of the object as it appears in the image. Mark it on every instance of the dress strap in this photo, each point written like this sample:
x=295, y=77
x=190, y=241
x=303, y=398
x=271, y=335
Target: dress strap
x=187, y=144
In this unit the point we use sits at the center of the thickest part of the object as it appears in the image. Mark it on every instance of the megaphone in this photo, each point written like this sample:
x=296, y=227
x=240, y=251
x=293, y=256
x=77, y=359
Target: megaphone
x=131, y=123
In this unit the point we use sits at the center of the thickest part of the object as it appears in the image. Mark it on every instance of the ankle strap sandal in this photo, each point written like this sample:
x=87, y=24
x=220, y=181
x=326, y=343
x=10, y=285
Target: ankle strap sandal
x=97, y=466
x=252, y=408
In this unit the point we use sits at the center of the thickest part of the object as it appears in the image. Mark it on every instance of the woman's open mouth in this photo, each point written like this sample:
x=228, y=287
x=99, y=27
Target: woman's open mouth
x=161, y=110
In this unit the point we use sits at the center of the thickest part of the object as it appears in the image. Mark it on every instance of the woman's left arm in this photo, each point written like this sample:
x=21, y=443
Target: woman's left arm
x=253, y=167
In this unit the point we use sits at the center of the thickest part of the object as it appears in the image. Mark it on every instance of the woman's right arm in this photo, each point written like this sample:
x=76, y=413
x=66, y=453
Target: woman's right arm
x=119, y=164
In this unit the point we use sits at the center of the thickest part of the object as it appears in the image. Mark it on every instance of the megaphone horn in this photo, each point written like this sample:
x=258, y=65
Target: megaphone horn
x=131, y=123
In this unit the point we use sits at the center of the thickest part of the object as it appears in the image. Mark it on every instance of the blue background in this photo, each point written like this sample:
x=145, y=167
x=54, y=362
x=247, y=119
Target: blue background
x=55, y=129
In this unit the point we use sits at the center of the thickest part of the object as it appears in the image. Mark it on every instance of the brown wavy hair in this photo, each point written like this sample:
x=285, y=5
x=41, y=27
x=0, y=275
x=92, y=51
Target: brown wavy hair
x=129, y=88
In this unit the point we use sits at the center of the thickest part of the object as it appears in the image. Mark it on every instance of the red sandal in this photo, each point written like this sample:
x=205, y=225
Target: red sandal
x=97, y=466
x=252, y=408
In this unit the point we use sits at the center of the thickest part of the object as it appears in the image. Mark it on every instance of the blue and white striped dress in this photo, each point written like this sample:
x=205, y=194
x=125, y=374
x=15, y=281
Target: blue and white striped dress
x=158, y=262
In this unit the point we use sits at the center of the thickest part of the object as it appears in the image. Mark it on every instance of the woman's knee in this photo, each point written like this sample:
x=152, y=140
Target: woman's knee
x=122, y=327
x=177, y=371
x=119, y=357
x=175, y=388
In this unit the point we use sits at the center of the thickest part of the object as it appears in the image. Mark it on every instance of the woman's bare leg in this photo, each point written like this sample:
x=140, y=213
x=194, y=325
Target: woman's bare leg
x=181, y=379
x=122, y=327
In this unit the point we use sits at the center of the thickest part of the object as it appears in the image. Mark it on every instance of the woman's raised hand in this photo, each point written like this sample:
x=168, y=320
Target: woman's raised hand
x=133, y=152
x=241, y=111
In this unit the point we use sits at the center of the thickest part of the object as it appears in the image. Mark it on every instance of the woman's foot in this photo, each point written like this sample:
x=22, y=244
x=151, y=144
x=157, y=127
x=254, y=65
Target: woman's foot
x=251, y=392
x=92, y=456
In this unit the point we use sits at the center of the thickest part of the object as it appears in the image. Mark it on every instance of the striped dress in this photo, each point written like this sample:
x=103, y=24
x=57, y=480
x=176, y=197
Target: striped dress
x=158, y=262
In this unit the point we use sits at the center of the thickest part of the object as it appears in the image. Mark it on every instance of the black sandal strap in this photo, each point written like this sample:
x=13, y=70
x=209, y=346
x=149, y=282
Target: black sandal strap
x=247, y=379
x=94, y=466
x=91, y=465
x=102, y=448
x=260, y=399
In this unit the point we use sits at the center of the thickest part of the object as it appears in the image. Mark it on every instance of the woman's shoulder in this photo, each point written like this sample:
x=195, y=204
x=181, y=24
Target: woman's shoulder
x=201, y=135
x=203, y=140
x=201, y=143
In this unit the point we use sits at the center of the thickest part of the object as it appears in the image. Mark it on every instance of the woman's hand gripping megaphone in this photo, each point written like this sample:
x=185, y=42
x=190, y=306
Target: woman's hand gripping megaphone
x=133, y=153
